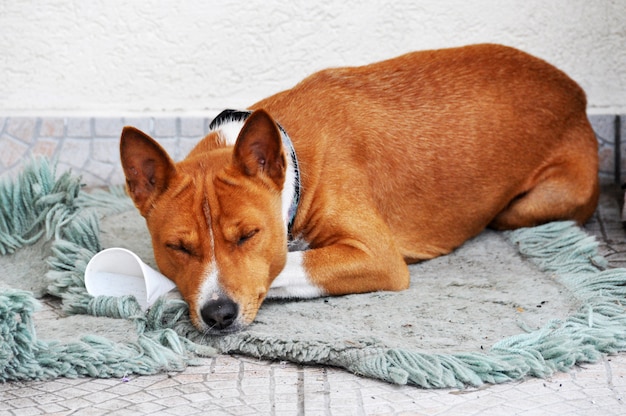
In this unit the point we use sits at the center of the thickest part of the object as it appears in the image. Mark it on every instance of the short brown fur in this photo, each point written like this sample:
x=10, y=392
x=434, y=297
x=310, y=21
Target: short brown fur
x=401, y=161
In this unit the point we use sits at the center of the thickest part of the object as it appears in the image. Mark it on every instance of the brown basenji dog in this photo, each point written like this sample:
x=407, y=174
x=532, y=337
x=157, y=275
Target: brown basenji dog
x=333, y=186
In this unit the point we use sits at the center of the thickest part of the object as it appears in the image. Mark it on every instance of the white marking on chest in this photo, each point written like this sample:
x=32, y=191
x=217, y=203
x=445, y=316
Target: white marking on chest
x=293, y=281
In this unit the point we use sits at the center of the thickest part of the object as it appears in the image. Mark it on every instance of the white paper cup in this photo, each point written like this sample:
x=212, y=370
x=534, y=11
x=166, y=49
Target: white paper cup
x=120, y=272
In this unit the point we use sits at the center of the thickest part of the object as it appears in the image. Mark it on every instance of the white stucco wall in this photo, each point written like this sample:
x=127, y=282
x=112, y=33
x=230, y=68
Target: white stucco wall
x=120, y=56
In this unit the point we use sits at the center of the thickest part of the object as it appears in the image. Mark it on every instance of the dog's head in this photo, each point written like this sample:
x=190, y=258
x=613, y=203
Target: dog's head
x=215, y=218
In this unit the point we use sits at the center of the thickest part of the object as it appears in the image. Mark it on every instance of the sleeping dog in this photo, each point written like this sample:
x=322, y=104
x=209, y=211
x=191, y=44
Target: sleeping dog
x=364, y=170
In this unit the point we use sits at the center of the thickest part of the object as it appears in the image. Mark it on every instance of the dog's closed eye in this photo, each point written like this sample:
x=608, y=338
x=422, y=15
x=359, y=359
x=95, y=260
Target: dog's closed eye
x=182, y=248
x=246, y=236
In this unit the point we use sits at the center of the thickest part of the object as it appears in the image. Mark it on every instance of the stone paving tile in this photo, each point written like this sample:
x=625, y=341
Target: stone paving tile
x=104, y=150
x=194, y=127
x=12, y=151
x=604, y=127
x=108, y=127
x=22, y=128
x=165, y=127
x=78, y=127
x=75, y=152
x=45, y=147
x=52, y=127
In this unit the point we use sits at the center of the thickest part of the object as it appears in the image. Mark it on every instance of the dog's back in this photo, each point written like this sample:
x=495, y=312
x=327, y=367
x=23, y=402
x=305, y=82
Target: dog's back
x=447, y=142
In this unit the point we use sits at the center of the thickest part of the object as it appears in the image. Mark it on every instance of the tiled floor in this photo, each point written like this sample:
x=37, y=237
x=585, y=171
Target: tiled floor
x=230, y=385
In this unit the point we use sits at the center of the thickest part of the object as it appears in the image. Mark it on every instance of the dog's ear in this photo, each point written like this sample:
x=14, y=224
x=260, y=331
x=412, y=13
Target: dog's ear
x=259, y=148
x=147, y=167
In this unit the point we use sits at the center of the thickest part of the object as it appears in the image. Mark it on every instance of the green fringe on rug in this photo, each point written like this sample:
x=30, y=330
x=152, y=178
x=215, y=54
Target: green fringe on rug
x=37, y=206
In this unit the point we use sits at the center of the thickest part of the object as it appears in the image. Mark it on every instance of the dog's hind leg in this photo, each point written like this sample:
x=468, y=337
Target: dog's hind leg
x=549, y=201
x=562, y=193
x=564, y=188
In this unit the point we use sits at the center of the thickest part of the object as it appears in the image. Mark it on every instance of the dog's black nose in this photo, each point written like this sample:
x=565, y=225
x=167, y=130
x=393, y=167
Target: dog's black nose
x=219, y=313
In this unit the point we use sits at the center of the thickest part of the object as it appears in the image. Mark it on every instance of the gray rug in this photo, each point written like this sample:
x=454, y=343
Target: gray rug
x=485, y=313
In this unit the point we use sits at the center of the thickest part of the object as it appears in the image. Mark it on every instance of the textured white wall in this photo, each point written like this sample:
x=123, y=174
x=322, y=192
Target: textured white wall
x=120, y=56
